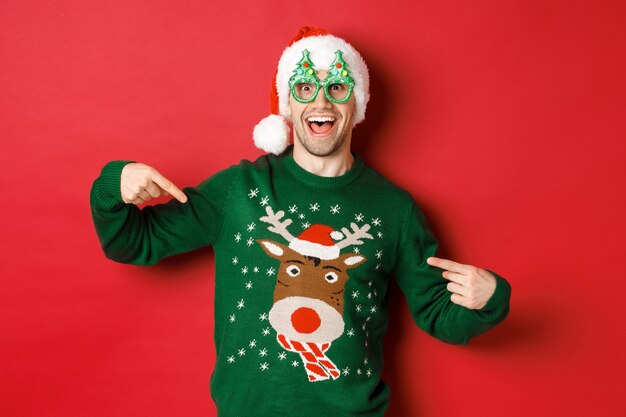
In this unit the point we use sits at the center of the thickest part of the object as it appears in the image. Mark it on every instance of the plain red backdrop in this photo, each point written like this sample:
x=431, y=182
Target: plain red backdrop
x=505, y=120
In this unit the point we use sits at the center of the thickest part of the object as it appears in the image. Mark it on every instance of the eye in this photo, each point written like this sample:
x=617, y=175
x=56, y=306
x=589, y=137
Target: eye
x=331, y=277
x=336, y=87
x=293, y=270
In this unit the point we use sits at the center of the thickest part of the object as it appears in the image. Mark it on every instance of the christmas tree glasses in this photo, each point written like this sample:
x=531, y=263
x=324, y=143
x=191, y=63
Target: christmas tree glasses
x=337, y=86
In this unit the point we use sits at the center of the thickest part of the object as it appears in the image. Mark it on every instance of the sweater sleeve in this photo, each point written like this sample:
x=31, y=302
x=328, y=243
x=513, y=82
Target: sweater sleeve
x=144, y=236
x=426, y=292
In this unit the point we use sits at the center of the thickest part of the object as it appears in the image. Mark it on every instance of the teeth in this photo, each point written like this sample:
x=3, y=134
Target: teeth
x=321, y=119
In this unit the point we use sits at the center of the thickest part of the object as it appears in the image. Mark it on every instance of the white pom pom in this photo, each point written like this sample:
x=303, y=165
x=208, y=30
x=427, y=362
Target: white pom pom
x=272, y=134
x=336, y=235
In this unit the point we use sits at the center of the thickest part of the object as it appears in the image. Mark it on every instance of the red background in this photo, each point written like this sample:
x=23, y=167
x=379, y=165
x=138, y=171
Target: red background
x=504, y=120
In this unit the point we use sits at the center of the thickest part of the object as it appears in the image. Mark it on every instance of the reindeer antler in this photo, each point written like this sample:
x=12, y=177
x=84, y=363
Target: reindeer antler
x=276, y=225
x=354, y=237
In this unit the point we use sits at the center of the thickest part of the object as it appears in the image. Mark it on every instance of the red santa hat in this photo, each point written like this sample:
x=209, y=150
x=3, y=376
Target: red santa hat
x=317, y=241
x=272, y=133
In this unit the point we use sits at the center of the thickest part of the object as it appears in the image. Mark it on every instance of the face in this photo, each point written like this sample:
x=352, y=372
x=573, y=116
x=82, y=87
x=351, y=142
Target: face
x=321, y=127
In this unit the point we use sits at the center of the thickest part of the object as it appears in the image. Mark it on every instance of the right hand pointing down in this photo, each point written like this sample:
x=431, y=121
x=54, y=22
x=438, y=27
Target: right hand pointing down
x=139, y=183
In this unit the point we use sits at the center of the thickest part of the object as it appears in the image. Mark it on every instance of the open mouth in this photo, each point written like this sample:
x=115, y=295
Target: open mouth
x=321, y=125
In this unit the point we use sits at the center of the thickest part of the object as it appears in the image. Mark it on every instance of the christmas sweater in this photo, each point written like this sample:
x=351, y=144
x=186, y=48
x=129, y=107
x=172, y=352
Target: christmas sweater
x=303, y=266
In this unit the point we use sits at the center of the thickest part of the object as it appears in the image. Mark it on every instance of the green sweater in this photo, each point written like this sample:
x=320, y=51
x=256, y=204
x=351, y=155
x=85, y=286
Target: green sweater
x=303, y=266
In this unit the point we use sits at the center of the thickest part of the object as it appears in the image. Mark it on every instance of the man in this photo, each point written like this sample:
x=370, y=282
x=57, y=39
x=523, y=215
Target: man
x=306, y=242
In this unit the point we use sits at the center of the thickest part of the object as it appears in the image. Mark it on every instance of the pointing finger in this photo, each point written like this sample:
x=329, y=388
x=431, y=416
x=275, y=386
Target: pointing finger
x=447, y=264
x=455, y=277
x=168, y=186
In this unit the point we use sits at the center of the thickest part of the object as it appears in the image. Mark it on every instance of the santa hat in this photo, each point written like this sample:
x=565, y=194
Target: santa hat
x=272, y=133
x=317, y=241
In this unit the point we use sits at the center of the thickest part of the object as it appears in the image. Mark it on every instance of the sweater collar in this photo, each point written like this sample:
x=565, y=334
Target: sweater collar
x=318, y=181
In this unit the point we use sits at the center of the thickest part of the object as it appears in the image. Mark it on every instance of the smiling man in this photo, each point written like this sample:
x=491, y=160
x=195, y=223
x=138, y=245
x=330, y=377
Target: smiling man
x=306, y=240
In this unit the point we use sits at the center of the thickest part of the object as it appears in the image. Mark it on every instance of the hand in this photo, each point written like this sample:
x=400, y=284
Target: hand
x=139, y=183
x=471, y=287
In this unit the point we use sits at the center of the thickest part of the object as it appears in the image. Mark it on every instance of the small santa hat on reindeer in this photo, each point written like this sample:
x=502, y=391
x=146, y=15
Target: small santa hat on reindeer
x=317, y=241
x=272, y=133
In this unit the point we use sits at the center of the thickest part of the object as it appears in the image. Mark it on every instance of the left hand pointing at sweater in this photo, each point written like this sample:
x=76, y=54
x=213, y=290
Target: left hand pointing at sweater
x=471, y=287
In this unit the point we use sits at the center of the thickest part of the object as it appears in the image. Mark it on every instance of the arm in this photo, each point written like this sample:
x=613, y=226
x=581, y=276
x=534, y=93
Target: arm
x=132, y=235
x=430, y=301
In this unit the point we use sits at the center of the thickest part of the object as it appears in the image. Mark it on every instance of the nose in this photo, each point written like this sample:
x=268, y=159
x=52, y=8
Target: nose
x=321, y=100
x=305, y=320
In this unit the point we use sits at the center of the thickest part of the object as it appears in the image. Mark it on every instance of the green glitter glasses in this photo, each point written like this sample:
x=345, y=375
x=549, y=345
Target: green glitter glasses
x=305, y=85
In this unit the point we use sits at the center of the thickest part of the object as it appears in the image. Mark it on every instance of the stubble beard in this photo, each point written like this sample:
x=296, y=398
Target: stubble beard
x=321, y=148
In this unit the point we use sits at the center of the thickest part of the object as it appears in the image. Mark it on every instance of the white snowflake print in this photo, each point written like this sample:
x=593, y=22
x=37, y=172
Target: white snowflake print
x=375, y=293
x=358, y=371
x=255, y=269
x=359, y=307
x=263, y=316
x=379, y=254
x=253, y=193
x=369, y=283
x=301, y=216
x=265, y=366
x=359, y=217
x=293, y=209
x=346, y=371
x=232, y=318
x=368, y=318
x=356, y=249
x=306, y=225
x=314, y=207
x=282, y=356
x=265, y=201
x=355, y=294
x=270, y=271
x=250, y=242
x=377, y=267
x=244, y=270
x=369, y=372
x=379, y=234
x=241, y=304
x=231, y=359
x=376, y=222
x=251, y=226
x=350, y=332
x=373, y=310
x=365, y=361
x=263, y=352
x=252, y=343
x=369, y=295
x=294, y=363
x=241, y=352
x=237, y=237
x=364, y=327
x=235, y=260
x=335, y=209
x=266, y=331
x=249, y=285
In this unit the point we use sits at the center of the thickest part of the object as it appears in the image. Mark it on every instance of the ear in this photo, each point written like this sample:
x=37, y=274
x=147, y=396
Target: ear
x=352, y=260
x=274, y=249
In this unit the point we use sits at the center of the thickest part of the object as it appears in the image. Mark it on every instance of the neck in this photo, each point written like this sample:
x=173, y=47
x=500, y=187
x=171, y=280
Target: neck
x=333, y=165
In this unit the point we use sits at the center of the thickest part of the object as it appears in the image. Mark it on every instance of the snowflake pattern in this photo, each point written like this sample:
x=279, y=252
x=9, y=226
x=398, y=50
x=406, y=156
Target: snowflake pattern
x=235, y=260
x=232, y=318
x=244, y=270
x=251, y=226
x=237, y=237
x=306, y=225
x=270, y=271
x=253, y=193
x=335, y=209
x=231, y=359
x=359, y=217
x=241, y=304
x=376, y=222
x=293, y=209
x=250, y=242
x=265, y=366
x=265, y=201
x=282, y=356
x=314, y=207
x=249, y=285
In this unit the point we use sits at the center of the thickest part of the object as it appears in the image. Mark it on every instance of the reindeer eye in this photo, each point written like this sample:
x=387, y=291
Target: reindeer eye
x=293, y=270
x=331, y=277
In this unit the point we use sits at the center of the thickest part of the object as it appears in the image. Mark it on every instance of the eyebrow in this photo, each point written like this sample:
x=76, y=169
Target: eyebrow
x=296, y=261
x=331, y=267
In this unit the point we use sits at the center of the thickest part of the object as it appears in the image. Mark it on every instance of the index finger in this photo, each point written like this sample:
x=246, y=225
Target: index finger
x=446, y=264
x=168, y=186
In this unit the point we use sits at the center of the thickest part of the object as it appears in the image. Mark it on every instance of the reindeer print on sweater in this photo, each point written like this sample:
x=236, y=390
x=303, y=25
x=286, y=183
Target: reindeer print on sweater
x=312, y=261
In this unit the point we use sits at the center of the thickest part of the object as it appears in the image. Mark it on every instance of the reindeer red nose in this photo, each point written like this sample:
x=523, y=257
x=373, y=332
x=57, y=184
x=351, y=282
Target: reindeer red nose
x=305, y=320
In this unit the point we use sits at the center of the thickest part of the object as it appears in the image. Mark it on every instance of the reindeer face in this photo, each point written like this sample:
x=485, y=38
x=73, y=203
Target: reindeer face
x=309, y=293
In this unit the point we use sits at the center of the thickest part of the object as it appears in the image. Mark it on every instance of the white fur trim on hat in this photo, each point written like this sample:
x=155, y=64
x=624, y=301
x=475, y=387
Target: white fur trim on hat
x=322, y=53
x=307, y=248
x=272, y=134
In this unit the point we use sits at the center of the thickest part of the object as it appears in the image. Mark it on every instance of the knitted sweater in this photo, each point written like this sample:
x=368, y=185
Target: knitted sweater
x=303, y=266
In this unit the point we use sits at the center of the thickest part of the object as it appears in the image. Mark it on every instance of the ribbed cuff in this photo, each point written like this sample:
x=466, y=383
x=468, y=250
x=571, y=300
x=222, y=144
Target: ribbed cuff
x=106, y=188
x=499, y=301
